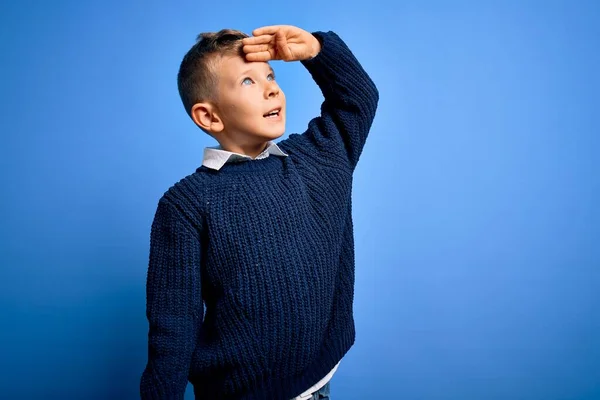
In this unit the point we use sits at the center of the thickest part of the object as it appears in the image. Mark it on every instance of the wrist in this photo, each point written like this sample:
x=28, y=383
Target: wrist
x=315, y=47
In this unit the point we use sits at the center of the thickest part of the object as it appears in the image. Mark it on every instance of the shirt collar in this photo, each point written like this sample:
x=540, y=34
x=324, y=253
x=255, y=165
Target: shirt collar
x=216, y=157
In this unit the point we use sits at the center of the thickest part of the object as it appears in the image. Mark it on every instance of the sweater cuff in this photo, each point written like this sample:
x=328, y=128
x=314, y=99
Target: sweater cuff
x=332, y=53
x=334, y=64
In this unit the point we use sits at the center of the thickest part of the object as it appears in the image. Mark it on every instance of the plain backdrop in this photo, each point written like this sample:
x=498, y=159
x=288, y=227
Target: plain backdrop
x=475, y=200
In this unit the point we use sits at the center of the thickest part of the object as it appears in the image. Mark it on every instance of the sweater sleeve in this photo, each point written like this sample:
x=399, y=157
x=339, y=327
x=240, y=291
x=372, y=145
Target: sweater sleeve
x=351, y=98
x=173, y=303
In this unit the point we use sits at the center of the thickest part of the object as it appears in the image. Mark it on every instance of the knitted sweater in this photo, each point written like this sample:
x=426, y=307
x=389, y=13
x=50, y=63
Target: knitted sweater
x=268, y=246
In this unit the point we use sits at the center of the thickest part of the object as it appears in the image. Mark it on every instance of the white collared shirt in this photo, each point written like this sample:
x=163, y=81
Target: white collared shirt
x=216, y=157
x=309, y=392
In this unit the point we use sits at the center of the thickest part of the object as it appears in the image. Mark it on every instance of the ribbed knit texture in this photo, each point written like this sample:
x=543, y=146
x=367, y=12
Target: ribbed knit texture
x=268, y=246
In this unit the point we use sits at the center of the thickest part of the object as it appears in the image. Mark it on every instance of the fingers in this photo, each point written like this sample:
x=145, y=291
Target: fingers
x=268, y=43
x=259, y=56
x=256, y=48
x=262, y=39
x=266, y=30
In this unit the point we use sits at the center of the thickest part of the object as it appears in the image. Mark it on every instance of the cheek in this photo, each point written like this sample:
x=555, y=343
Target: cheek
x=247, y=105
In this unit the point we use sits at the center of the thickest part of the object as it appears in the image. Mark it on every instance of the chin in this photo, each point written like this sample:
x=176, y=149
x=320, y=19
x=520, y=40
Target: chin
x=279, y=134
x=273, y=133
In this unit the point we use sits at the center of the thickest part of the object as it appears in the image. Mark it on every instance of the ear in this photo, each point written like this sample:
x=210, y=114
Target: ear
x=205, y=115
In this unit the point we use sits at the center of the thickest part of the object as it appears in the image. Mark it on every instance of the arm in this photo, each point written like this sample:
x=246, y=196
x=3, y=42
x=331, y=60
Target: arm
x=173, y=304
x=350, y=95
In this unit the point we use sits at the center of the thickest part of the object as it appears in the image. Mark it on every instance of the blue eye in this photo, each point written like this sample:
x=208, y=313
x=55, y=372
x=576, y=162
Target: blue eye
x=247, y=80
x=272, y=76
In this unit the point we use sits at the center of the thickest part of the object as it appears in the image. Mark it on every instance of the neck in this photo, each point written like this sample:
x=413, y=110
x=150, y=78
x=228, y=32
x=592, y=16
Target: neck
x=252, y=150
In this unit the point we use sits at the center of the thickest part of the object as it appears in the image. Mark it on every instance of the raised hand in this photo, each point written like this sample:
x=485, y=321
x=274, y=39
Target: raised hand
x=280, y=42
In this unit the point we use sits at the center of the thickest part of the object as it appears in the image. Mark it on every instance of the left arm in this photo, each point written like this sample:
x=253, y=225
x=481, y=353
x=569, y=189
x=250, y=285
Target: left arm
x=351, y=97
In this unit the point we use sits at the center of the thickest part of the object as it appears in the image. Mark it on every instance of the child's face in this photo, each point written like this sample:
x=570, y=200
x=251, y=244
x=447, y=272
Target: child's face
x=247, y=92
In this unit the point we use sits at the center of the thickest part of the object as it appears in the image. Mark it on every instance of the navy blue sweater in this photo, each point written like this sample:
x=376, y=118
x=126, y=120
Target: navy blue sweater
x=268, y=246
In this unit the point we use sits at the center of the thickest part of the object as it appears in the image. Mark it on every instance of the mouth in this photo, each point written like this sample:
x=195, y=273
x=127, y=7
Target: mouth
x=274, y=113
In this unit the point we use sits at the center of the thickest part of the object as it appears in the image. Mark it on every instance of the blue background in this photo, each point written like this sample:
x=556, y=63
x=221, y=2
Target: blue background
x=475, y=200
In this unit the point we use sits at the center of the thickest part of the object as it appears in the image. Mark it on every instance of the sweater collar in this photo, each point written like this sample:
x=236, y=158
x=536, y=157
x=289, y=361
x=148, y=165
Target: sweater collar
x=216, y=157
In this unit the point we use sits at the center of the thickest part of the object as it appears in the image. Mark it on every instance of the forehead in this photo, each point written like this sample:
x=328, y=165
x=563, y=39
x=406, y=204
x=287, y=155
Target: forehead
x=231, y=67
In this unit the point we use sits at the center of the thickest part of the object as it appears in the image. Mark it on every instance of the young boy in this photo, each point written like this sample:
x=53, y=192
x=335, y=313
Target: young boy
x=261, y=233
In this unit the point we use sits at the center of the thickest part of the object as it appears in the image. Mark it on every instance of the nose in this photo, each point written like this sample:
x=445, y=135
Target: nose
x=271, y=90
